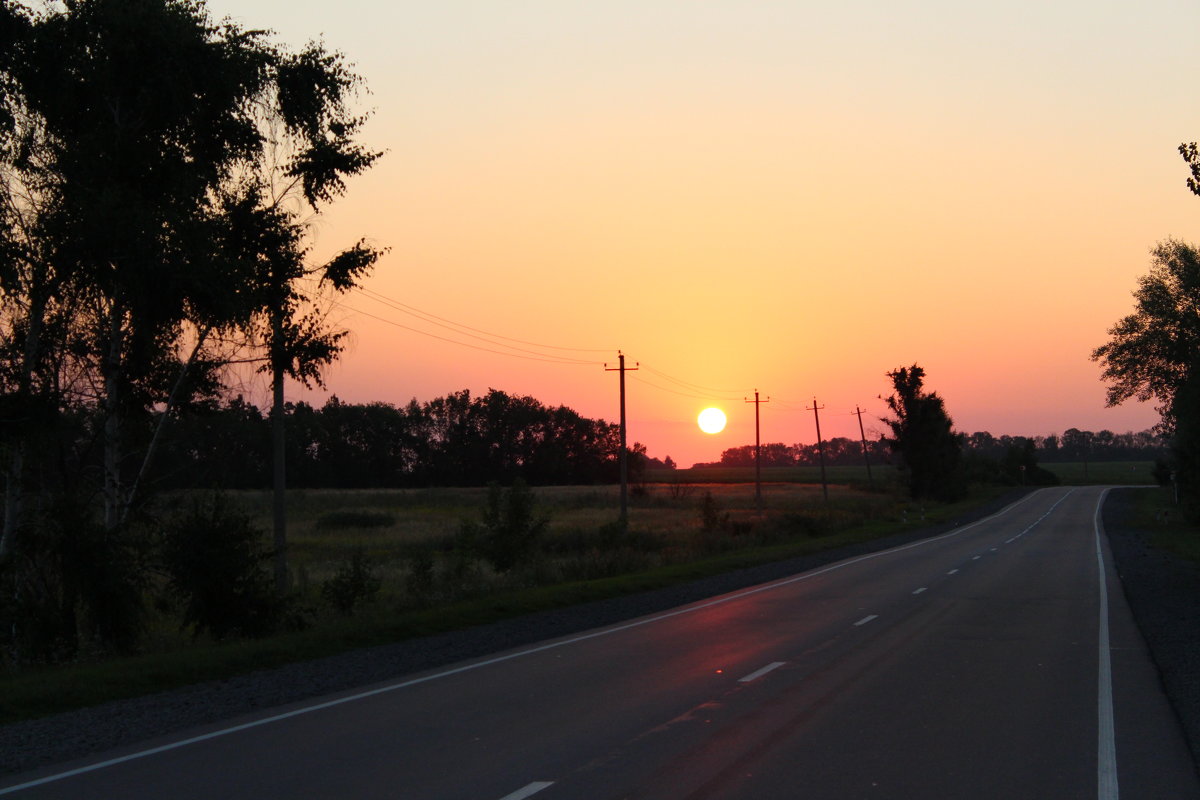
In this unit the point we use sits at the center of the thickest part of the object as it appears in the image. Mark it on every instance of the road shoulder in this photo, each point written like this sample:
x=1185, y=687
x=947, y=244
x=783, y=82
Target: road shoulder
x=1163, y=592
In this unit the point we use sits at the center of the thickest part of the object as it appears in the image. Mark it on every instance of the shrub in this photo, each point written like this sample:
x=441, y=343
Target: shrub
x=511, y=531
x=711, y=518
x=354, y=583
x=70, y=586
x=216, y=565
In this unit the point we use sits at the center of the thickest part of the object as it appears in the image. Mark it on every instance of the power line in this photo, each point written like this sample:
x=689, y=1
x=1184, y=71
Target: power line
x=443, y=322
x=534, y=357
x=693, y=386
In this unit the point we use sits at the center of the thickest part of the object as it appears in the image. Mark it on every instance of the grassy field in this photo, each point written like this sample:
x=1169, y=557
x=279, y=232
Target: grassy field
x=430, y=585
x=1117, y=473
x=1104, y=473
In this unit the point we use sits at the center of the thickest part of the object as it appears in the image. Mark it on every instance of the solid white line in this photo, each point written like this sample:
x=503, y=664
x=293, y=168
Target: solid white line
x=866, y=619
x=918, y=591
x=1106, y=769
x=758, y=673
x=766, y=587
x=528, y=791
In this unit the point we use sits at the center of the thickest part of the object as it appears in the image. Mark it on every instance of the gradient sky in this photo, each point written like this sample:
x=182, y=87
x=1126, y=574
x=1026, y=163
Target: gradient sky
x=790, y=196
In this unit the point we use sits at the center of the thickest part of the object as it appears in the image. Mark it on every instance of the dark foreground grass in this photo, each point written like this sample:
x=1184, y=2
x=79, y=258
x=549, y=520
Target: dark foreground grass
x=37, y=693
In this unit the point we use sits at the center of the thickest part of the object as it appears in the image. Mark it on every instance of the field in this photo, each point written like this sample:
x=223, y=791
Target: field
x=397, y=528
x=1106, y=473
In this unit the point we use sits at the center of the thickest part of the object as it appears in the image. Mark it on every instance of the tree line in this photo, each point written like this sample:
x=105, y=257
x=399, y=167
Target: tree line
x=1073, y=445
x=455, y=440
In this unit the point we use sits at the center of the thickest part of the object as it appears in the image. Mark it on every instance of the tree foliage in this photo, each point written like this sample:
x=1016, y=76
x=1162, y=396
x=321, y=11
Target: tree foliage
x=1154, y=350
x=923, y=436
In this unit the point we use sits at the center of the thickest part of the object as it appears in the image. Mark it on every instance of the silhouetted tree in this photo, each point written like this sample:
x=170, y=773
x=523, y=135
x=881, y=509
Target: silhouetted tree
x=922, y=434
x=1152, y=352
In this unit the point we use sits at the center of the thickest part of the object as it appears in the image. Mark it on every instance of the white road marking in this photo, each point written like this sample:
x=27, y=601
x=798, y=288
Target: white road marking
x=1106, y=769
x=918, y=591
x=528, y=791
x=758, y=673
x=320, y=706
x=951, y=572
x=976, y=558
x=866, y=619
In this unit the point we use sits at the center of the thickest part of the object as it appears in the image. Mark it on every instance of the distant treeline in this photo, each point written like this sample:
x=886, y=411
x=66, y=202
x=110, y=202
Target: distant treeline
x=1073, y=445
x=456, y=440
x=465, y=440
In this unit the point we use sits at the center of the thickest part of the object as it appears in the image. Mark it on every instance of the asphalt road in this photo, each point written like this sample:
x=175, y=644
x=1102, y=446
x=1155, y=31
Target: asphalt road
x=997, y=661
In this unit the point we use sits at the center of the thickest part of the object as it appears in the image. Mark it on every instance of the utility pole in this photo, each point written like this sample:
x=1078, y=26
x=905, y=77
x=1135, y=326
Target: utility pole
x=623, y=460
x=820, y=447
x=757, y=453
x=866, y=458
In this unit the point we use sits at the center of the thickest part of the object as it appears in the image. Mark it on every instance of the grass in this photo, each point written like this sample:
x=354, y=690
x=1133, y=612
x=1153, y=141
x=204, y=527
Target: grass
x=667, y=544
x=1157, y=512
x=1104, y=473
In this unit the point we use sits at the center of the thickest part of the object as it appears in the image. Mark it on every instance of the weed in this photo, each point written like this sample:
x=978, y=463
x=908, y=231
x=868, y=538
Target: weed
x=354, y=584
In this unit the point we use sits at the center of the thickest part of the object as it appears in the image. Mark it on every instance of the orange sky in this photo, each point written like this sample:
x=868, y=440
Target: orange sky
x=785, y=196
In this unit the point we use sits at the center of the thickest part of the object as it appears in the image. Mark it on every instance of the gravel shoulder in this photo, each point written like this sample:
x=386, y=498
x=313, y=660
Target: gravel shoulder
x=1165, y=610
x=1163, y=591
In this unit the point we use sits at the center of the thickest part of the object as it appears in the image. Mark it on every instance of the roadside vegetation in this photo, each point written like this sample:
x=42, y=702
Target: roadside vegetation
x=378, y=566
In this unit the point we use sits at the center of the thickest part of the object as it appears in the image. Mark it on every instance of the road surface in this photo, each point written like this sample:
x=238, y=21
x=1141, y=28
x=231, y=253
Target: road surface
x=996, y=661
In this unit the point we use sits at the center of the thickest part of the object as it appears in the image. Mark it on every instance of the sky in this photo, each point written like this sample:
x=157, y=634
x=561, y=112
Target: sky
x=785, y=197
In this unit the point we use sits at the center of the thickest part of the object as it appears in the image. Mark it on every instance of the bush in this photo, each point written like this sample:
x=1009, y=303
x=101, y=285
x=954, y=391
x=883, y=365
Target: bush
x=511, y=531
x=216, y=565
x=70, y=587
x=353, y=584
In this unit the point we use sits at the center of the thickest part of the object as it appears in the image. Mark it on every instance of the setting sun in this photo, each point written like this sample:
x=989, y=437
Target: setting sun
x=711, y=420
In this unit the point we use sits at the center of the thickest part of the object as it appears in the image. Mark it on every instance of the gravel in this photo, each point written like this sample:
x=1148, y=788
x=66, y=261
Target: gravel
x=1166, y=611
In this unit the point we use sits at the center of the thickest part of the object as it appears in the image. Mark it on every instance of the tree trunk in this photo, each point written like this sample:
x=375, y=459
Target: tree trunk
x=278, y=450
x=112, y=419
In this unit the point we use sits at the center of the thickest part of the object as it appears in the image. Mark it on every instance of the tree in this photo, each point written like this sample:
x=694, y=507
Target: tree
x=923, y=435
x=158, y=171
x=1153, y=351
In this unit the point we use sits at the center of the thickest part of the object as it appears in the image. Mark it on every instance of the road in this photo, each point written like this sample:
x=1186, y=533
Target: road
x=996, y=661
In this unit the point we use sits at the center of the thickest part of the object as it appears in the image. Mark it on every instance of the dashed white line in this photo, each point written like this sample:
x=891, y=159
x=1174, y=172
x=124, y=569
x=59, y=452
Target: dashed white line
x=951, y=572
x=918, y=591
x=866, y=619
x=528, y=791
x=976, y=558
x=758, y=673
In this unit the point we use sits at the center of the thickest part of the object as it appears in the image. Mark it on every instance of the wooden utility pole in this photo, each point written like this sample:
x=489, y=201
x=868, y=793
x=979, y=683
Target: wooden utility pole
x=866, y=458
x=820, y=447
x=623, y=458
x=757, y=453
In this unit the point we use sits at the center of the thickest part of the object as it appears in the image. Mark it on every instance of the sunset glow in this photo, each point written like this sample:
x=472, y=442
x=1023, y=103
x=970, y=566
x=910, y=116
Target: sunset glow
x=794, y=197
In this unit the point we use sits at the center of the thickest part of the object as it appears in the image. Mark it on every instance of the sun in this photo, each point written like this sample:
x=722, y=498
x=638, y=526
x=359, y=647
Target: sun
x=711, y=420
